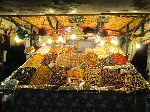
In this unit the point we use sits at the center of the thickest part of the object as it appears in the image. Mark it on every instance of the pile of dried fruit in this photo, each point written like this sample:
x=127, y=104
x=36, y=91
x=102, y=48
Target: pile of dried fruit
x=119, y=59
x=41, y=76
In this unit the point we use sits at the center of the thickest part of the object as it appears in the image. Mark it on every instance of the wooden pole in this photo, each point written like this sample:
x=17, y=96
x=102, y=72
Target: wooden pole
x=31, y=39
x=127, y=30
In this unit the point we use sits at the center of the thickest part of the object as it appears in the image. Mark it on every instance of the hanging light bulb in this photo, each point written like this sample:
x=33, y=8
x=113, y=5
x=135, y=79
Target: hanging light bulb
x=73, y=36
x=102, y=43
x=114, y=41
x=60, y=39
x=73, y=11
x=49, y=41
x=97, y=39
x=17, y=39
x=138, y=46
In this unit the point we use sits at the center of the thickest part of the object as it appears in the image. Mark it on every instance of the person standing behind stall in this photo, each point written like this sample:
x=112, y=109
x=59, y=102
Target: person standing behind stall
x=14, y=59
x=148, y=62
x=140, y=60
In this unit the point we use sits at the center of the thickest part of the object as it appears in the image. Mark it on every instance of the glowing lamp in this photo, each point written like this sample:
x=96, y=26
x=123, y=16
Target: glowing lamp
x=114, y=41
x=17, y=39
x=97, y=39
x=73, y=36
x=49, y=41
x=102, y=43
x=60, y=39
x=138, y=46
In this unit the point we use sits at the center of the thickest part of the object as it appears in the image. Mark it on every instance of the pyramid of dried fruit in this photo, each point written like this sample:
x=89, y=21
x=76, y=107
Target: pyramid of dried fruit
x=49, y=57
x=41, y=76
x=34, y=61
x=24, y=75
x=58, y=76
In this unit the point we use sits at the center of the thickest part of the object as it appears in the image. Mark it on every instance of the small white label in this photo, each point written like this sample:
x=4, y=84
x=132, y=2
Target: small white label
x=51, y=65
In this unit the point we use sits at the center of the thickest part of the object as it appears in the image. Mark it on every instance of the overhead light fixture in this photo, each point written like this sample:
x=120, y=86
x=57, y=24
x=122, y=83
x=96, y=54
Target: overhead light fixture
x=114, y=41
x=60, y=39
x=74, y=11
x=51, y=11
x=73, y=36
x=138, y=46
x=97, y=39
x=49, y=41
x=17, y=39
x=135, y=11
x=114, y=12
x=102, y=43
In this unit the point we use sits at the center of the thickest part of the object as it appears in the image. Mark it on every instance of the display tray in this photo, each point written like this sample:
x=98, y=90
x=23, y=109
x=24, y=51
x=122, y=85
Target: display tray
x=76, y=83
x=39, y=100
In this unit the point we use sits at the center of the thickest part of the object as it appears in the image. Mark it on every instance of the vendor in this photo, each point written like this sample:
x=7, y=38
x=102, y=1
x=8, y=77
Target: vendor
x=140, y=60
x=15, y=58
x=148, y=62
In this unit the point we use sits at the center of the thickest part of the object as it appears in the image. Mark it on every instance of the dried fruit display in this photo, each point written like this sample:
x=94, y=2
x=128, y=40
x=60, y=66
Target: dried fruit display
x=63, y=60
x=91, y=59
x=55, y=49
x=41, y=76
x=74, y=77
x=24, y=75
x=58, y=76
x=48, y=58
x=34, y=61
x=136, y=82
x=66, y=49
x=92, y=76
x=119, y=59
x=77, y=59
x=111, y=77
x=106, y=62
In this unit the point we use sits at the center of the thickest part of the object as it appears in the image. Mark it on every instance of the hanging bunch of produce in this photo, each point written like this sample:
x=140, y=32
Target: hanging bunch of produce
x=76, y=19
x=42, y=31
x=22, y=32
x=77, y=30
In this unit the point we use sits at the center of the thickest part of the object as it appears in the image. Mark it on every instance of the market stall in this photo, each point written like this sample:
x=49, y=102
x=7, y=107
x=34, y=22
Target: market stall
x=73, y=71
x=77, y=76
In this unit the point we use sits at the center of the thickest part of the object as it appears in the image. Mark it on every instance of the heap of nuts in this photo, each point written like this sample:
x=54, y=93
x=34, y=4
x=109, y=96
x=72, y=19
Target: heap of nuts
x=58, y=76
x=135, y=82
x=63, y=60
x=77, y=59
x=91, y=59
x=106, y=62
x=92, y=76
x=41, y=76
x=66, y=49
x=111, y=77
x=48, y=58
x=24, y=75
x=35, y=61
x=103, y=77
